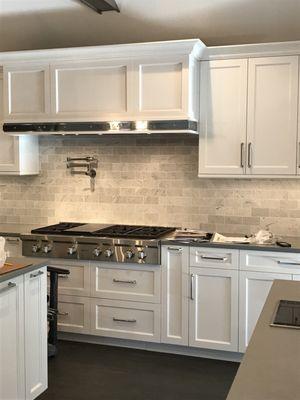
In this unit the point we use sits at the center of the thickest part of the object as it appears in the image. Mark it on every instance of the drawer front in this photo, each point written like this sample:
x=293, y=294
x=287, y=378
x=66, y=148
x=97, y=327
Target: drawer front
x=125, y=320
x=133, y=283
x=74, y=314
x=77, y=283
x=265, y=261
x=215, y=258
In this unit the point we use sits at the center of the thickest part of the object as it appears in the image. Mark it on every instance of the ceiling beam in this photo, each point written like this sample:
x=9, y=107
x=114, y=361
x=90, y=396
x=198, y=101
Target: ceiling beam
x=101, y=6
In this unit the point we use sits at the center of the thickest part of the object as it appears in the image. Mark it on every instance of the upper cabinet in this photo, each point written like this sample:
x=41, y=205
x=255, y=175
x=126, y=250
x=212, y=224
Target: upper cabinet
x=150, y=81
x=26, y=92
x=249, y=117
x=18, y=155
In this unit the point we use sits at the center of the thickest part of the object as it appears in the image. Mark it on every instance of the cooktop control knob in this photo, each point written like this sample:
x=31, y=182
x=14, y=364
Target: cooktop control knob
x=36, y=248
x=72, y=250
x=108, y=253
x=97, y=251
x=47, y=248
x=142, y=255
x=129, y=254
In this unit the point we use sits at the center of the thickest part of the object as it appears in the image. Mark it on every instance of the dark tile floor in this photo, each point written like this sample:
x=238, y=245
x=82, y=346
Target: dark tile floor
x=93, y=372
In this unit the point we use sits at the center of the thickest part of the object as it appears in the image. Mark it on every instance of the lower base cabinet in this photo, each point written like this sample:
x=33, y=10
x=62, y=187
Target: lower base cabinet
x=74, y=314
x=254, y=289
x=213, y=322
x=125, y=320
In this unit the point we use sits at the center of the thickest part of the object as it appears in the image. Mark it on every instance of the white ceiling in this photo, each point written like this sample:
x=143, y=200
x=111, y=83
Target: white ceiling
x=37, y=24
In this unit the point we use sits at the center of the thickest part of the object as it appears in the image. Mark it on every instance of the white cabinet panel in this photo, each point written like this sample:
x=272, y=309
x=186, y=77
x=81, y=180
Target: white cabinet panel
x=74, y=314
x=126, y=320
x=12, y=369
x=270, y=261
x=90, y=89
x=254, y=288
x=26, y=91
x=272, y=115
x=131, y=282
x=223, y=106
x=214, y=258
x=214, y=309
x=175, y=294
x=36, y=328
x=296, y=277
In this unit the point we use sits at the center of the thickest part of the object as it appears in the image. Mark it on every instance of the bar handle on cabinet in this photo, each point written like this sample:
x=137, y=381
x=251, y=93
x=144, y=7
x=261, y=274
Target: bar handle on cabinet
x=9, y=286
x=214, y=258
x=249, y=155
x=62, y=313
x=192, y=286
x=124, y=320
x=121, y=281
x=242, y=154
x=295, y=263
x=179, y=249
x=37, y=274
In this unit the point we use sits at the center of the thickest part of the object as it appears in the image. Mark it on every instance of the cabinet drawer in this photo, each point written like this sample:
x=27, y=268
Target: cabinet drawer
x=215, y=258
x=133, y=283
x=266, y=261
x=77, y=283
x=74, y=314
x=126, y=320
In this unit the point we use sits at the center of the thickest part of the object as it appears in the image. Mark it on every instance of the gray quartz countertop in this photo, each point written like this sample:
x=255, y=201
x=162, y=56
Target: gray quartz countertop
x=19, y=266
x=294, y=241
x=270, y=369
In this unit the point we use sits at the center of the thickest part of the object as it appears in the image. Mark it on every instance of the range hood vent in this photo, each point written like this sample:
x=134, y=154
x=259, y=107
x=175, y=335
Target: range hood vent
x=101, y=6
x=100, y=128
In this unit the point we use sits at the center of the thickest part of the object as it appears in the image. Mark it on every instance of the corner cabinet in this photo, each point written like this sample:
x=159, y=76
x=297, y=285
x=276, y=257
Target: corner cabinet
x=19, y=155
x=247, y=108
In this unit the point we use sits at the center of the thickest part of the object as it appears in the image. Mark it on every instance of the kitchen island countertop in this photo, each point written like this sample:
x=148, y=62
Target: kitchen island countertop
x=18, y=266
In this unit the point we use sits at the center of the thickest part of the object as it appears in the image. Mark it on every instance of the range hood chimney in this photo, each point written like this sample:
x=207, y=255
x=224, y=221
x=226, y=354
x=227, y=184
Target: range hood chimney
x=101, y=6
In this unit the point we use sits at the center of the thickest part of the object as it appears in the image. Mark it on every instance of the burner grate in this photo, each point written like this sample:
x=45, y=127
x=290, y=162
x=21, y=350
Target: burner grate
x=134, y=231
x=57, y=228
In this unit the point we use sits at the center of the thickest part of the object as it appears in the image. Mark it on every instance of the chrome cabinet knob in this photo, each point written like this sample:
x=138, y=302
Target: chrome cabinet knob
x=97, y=252
x=36, y=248
x=72, y=250
x=129, y=254
x=142, y=255
x=47, y=248
x=108, y=253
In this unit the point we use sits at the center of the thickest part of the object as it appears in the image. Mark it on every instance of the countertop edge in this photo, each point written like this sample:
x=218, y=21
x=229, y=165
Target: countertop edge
x=22, y=271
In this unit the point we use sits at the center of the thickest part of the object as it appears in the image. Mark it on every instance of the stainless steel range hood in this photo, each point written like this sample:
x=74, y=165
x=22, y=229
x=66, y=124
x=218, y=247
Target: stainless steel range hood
x=100, y=128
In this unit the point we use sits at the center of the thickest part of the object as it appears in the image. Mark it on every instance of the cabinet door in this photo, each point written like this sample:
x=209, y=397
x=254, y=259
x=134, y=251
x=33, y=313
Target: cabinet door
x=26, y=92
x=12, y=371
x=175, y=292
x=161, y=88
x=223, y=108
x=214, y=309
x=36, y=333
x=74, y=314
x=254, y=288
x=272, y=115
x=95, y=89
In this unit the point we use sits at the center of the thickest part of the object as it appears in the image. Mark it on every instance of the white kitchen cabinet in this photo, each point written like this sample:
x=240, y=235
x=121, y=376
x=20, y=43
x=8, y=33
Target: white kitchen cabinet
x=272, y=115
x=254, y=288
x=73, y=314
x=35, y=295
x=18, y=155
x=175, y=294
x=223, y=107
x=126, y=282
x=125, y=320
x=91, y=89
x=12, y=368
x=214, y=309
x=26, y=91
x=296, y=277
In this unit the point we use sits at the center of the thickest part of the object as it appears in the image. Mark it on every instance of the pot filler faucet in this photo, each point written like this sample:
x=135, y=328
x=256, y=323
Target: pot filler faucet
x=88, y=163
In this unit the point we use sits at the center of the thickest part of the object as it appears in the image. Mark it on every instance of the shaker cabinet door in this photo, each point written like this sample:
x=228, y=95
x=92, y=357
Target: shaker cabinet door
x=223, y=107
x=272, y=116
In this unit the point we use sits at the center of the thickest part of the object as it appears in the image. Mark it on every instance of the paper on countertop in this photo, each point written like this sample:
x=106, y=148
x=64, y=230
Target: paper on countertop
x=261, y=237
x=2, y=252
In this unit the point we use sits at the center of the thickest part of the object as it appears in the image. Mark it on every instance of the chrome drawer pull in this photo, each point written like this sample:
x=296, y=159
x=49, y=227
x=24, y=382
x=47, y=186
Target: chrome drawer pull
x=12, y=240
x=179, y=249
x=242, y=155
x=62, y=313
x=132, y=321
x=288, y=263
x=9, y=286
x=214, y=258
x=37, y=274
x=63, y=276
x=120, y=281
x=249, y=155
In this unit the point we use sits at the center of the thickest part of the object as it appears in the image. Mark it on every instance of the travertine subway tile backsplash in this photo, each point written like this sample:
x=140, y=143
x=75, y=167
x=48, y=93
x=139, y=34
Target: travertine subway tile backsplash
x=146, y=180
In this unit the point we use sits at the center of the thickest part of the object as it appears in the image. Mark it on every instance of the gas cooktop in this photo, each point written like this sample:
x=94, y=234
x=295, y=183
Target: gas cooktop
x=105, y=230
